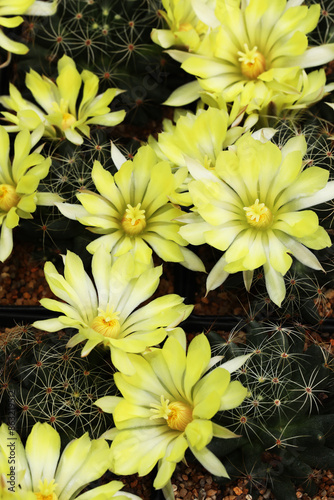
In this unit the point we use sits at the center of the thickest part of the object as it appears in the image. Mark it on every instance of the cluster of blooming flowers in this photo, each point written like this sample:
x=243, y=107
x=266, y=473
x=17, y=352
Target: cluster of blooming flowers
x=19, y=180
x=250, y=52
x=242, y=195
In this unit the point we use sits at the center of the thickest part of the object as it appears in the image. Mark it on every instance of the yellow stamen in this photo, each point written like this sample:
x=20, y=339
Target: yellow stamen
x=8, y=197
x=62, y=107
x=258, y=215
x=252, y=61
x=107, y=324
x=67, y=121
x=46, y=490
x=209, y=163
x=39, y=496
x=177, y=414
x=186, y=27
x=134, y=221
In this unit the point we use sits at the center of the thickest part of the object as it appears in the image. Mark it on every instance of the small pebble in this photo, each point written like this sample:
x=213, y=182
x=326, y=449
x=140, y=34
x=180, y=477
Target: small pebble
x=210, y=493
x=183, y=492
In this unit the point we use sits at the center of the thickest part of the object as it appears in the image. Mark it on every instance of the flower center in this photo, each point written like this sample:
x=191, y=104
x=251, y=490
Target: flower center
x=67, y=121
x=46, y=490
x=62, y=108
x=209, y=163
x=177, y=414
x=134, y=221
x=258, y=215
x=186, y=27
x=107, y=324
x=8, y=197
x=252, y=61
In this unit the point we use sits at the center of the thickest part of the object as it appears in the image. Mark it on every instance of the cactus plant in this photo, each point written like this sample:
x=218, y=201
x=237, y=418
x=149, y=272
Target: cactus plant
x=49, y=382
x=285, y=425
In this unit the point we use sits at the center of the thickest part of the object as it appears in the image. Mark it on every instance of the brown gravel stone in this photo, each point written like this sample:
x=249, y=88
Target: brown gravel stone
x=325, y=303
x=237, y=490
x=22, y=279
x=211, y=493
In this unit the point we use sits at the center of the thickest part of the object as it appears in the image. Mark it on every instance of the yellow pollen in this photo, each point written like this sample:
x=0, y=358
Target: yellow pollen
x=46, y=490
x=39, y=496
x=8, y=197
x=252, y=61
x=107, y=324
x=186, y=27
x=177, y=414
x=134, y=221
x=67, y=121
x=258, y=215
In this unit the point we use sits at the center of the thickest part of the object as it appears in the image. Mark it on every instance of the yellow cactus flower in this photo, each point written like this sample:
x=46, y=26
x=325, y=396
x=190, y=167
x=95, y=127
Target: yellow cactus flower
x=19, y=182
x=261, y=49
x=133, y=211
x=252, y=209
x=187, y=20
x=17, y=8
x=201, y=137
x=61, y=113
x=39, y=471
x=167, y=407
x=109, y=314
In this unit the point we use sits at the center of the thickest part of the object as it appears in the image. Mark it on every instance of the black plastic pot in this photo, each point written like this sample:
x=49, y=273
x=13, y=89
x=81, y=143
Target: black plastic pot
x=197, y=324
x=13, y=315
x=158, y=495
